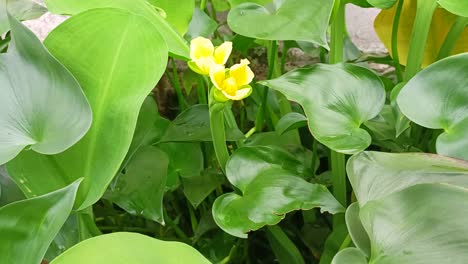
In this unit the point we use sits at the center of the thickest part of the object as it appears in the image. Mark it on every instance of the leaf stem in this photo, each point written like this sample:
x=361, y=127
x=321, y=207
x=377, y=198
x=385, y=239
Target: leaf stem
x=177, y=85
x=203, y=5
x=337, y=32
x=419, y=35
x=396, y=25
x=218, y=132
x=452, y=37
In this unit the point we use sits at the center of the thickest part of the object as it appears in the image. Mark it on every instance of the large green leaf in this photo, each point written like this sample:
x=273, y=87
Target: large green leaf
x=458, y=7
x=177, y=45
x=423, y=224
x=356, y=230
x=9, y=191
x=178, y=13
x=118, y=58
x=201, y=25
x=28, y=227
x=41, y=105
x=19, y=9
x=350, y=256
x=268, y=192
x=400, y=171
x=303, y=20
x=125, y=248
x=437, y=98
x=140, y=189
x=337, y=99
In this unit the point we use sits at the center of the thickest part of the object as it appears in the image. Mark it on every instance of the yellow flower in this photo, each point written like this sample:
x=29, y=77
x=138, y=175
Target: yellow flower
x=204, y=55
x=234, y=83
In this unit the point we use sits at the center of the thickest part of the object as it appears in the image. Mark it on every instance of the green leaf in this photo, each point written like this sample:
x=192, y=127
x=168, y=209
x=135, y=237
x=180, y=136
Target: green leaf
x=356, y=230
x=337, y=99
x=291, y=121
x=400, y=171
x=458, y=7
x=198, y=187
x=9, y=191
x=21, y=10
x=117, y=63
x=140, y=189
x=42, y=106
x=268, y=192
x=201, y=25
x=194, y=125
x=28, y=227
x=179, y=13
x=382, y=4
x=350, y=256
x=425, y=223
x=177, y=45
x=235, y=3
x=290, y=20
x=442, y=103
x=361, y=3
x=124, y=248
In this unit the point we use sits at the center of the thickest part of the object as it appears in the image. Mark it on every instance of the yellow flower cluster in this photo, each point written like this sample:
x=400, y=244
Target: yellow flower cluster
x=230, y=84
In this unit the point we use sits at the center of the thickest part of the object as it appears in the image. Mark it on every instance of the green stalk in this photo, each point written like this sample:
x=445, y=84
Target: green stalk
x=283, y=247
x=203, y=5
x=201, y=91
x=452, y=37
x=218, y=132
x=419, y=35
x=337, y=160
x=231, y=122
x=177, y=86
x=86, y=225
x=396, y=25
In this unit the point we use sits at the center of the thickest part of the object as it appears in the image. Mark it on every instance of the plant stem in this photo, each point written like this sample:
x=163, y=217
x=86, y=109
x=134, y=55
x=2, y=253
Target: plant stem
x=203, y=5
x=419, y=35
x=218, y=132
x=337, y=160
x=177, y=86
x=452, y=37
x=396, y=25
x=201, y=90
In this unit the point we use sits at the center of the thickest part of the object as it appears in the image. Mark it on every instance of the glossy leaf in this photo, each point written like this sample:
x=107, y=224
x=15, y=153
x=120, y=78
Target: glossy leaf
x=28, y=227
x=268, y=192
x=177, y=45
x=458, y=7
x=198, y=187
x=350, y=256
x=403, y=227
x=194, y=125
x=356, y=230
x=382, y=4
x=235, y=3
x=9, y=191
x=442, y=22
x=42, y=105
x=140, y=189
x=400, y=171
x=290, y=122
x=442, y=93
x=201, y=25
x=120, y=248
x=289, y=20
x=21, y=10
x=178, y=13
x=117, y=63
x=337, y=99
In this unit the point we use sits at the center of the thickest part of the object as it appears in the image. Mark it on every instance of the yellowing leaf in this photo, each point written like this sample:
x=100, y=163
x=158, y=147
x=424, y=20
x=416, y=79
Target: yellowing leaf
x=442, y=22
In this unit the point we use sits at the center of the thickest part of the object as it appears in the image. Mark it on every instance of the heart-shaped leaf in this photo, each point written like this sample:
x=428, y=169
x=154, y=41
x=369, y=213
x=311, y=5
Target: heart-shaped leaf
x=337, y=99
x=442, y=22
x=303, y=20
x=21, y=10
x=28, y=227
x=400, y=171
x=269, y=191
x=356, y=230
x=41, y=104
x=118, y=57
x=178, y=13
x=403, y=227
x=125, y=248
x=442, y=103
x=177, y=45
x=458, y=7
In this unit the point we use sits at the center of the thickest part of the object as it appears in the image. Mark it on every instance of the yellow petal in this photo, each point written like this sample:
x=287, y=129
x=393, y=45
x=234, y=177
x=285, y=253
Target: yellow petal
x=230, y=86
x=205, y=65
x=242, y=73
x=223, y=52
x=240, y=94
x=201, y=48
x=218, y=75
